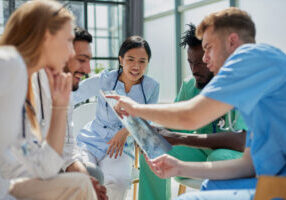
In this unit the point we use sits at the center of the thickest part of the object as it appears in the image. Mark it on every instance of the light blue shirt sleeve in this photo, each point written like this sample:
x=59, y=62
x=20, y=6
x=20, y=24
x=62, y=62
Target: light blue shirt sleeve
x=245, y=78
x=87, y=88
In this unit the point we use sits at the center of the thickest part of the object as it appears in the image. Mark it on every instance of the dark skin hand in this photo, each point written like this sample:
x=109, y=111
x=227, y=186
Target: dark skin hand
x=226, y=140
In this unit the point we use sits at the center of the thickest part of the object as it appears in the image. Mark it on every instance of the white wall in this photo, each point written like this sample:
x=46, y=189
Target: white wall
x=269, y=17
x=195, y=16
x=160, y=34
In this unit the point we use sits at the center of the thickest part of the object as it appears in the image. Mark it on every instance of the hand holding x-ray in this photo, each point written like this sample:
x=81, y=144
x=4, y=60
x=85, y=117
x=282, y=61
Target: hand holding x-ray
x=151, y=143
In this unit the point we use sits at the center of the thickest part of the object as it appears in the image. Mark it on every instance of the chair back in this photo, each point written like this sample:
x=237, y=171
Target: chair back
x=82, y=115
x=270, y=187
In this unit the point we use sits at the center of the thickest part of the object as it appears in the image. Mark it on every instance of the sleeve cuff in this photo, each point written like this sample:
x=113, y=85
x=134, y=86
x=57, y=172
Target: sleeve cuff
x=4, y=188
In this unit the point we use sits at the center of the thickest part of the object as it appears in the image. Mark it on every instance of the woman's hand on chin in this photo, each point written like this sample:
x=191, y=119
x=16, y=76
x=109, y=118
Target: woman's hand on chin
x=60, y=87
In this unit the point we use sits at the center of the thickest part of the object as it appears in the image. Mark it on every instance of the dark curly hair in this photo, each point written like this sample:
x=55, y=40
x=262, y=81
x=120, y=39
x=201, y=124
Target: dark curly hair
x=189, y=37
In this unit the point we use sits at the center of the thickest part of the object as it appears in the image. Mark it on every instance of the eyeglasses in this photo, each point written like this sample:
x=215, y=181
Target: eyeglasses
x=66, y=5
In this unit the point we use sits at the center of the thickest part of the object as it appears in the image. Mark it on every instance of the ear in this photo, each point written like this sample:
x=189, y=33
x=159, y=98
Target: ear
x=233, y=41
x=120, y=60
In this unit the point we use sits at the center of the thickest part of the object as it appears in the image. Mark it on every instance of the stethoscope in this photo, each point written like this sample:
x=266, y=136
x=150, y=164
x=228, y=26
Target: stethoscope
x=43, y=120
x=231, y=123
x=114, y=86
x=116, y=81
x=28, y=103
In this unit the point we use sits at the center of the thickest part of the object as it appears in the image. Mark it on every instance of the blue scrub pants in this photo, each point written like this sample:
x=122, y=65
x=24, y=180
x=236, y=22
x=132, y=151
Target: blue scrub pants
x=232, y=184
x=219, y=195
x=234, y=189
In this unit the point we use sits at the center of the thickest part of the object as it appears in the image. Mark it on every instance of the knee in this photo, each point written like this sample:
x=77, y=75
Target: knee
x=82, y=180
x=97, y=173
x=224, y=154
x=120, y=179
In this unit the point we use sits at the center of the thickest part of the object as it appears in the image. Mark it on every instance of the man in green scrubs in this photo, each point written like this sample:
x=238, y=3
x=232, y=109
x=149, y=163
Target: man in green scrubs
x=210, y=140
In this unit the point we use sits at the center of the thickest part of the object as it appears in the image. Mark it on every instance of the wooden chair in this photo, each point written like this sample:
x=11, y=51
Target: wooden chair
x=82, y=115
x=269, y=187
x=188, y=182
x=135, y=172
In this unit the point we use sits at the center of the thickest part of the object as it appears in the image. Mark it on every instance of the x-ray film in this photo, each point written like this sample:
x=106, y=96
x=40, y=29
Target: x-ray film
x=151, y=143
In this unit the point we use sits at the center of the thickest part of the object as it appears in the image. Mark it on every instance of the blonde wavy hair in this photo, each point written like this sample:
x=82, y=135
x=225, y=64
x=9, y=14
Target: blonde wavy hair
x=25, y=30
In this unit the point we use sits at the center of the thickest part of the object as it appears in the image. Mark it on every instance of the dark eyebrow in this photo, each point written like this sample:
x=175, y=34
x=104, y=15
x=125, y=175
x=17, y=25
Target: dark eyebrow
x=84, y=55
x=139, y=58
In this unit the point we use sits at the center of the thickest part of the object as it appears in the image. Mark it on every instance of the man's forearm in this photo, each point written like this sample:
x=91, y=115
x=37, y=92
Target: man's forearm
x=219, y=170
x=189, y=115
x=227, y=140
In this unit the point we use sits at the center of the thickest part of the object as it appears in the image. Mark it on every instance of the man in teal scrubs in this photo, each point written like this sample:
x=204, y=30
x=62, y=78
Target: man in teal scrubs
x=231, y=124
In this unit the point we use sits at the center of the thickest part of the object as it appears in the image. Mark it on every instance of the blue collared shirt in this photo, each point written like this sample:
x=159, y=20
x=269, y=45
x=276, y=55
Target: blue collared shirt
x=253, y=80
x=95, y=135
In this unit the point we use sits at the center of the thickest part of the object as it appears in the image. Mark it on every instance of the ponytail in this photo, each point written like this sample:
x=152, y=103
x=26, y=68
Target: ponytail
x=31, y=112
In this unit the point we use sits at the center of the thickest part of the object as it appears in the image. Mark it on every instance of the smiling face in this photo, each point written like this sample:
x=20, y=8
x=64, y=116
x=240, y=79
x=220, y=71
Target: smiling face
x=198, y=67
x=79, y=65
x=215, y=47
x=58, y=48
x=134, y=64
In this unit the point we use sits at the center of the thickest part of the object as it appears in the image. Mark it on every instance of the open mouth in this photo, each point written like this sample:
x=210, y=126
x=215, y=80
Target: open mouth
x=78, y=75
x=135, y=74
x=197, y=76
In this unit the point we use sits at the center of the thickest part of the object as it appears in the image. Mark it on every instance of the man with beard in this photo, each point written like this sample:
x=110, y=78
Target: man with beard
x=78, y=66
x=209, y=146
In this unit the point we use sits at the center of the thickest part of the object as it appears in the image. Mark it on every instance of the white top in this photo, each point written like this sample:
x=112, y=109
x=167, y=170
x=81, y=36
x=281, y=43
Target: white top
x=13, y=79
x=30, y=158
x=70, y=150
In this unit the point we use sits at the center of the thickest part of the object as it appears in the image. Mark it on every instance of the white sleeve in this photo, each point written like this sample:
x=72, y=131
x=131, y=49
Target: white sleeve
x=4, y=189
x=13, y=84
x=37, y=160
x=70, y=152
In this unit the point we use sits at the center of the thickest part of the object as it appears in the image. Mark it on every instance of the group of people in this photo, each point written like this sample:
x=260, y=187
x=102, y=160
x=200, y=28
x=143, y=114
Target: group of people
x=226, y=123
x=248, y=77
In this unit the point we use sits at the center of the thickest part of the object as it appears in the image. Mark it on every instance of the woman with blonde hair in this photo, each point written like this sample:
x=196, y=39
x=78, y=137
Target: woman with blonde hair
x=38, y=35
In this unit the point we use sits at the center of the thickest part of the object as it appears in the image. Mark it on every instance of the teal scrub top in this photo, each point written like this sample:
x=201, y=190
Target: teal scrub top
x=188, y=91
